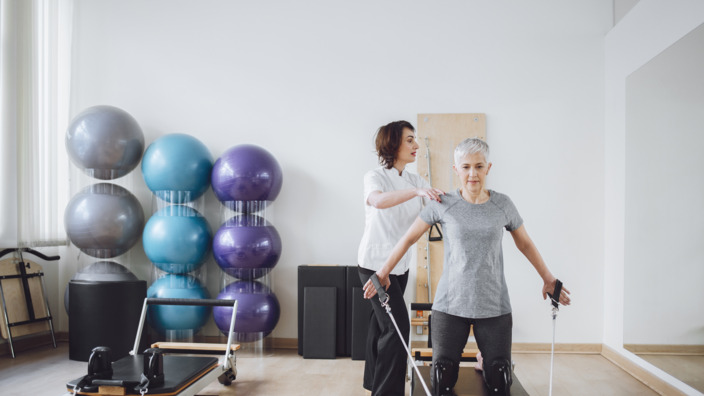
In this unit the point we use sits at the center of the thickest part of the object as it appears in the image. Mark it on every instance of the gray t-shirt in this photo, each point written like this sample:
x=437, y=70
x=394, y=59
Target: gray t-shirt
x=472, y=284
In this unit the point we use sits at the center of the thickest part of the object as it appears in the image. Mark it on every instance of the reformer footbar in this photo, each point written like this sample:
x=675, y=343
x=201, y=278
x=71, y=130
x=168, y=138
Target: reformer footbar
x=555, y=299
x=384, y=300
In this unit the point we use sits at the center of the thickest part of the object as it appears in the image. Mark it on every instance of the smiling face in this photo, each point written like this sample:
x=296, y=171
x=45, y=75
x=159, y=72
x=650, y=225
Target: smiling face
x=472, y=170
x=407, y=149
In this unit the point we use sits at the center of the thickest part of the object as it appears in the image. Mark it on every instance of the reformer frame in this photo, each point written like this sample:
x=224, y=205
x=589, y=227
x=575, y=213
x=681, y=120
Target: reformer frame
x=24, y=278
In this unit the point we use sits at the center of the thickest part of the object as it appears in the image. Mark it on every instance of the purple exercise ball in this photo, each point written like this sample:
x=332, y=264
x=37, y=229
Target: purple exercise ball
x=247, y=247
x=258, y=310
x=246, y=173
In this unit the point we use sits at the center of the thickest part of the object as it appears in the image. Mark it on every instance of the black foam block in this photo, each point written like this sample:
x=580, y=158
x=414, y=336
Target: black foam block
x=104, y=314
x=324, y=276
x=353, y=281
x=361, y=315
x=319, y=322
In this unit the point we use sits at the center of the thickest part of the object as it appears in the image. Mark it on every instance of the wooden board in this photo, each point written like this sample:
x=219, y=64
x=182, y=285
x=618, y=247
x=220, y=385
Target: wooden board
x=15, y=299
x=195, y=346
x=440, y=133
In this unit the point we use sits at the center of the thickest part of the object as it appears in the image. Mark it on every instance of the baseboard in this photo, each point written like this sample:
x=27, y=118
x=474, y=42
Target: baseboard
x=656, y=349
x=649, y=379
x=281, y=343
x=27, y=342
x=529, y=347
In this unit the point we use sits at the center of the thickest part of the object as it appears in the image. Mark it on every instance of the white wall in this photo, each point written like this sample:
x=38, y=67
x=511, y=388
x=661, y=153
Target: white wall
x=648, y=29
x=312, y=80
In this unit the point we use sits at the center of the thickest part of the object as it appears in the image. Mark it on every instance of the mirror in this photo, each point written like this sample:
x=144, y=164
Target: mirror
x=664, y=223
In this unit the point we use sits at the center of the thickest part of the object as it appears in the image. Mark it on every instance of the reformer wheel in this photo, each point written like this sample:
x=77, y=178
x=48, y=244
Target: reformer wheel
x=227, y=377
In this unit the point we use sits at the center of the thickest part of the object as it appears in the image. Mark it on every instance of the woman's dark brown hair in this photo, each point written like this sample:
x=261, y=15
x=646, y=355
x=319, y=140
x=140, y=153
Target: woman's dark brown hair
x=388, y=140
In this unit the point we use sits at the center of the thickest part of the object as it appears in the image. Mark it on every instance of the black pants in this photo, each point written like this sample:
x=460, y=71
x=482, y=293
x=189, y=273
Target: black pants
x=450, y=333
x=385, y=360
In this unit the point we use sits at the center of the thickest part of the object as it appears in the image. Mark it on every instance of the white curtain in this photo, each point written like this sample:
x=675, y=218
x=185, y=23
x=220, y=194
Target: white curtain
x=35, y=53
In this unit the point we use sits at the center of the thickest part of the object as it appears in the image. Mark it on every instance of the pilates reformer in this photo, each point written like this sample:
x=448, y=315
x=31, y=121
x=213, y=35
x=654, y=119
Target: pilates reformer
x=165, y=369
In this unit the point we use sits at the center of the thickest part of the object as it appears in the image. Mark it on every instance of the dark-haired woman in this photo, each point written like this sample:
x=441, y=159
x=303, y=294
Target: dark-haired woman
x=393, y=198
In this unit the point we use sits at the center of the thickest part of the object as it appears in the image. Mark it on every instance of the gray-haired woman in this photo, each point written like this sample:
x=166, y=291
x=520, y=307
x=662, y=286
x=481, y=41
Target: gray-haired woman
x=472, y=289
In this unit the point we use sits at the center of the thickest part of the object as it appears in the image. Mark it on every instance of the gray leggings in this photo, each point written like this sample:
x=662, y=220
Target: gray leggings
x=449, y=337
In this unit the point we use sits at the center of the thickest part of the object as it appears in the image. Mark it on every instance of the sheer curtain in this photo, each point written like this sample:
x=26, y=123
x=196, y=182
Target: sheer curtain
x=35, y=52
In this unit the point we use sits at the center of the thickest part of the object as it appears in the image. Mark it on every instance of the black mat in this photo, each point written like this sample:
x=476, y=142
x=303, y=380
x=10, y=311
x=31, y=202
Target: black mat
x=469, y=383
x=178, y=372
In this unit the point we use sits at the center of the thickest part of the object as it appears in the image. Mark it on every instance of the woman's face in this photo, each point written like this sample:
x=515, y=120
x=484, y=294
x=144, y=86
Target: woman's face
x=407, y=149
x=472, y=171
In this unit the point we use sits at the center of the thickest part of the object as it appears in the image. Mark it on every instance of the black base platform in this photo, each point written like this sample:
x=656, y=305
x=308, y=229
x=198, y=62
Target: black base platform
x=179, y=373
x=469, y=383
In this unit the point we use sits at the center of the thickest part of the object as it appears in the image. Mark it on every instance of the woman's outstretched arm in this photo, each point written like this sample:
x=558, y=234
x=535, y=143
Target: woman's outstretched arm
x=409, y=238
x=528, y=248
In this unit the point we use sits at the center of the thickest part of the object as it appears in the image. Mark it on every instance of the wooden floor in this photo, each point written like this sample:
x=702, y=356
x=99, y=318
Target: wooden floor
x=45, y=371
x=688, y=369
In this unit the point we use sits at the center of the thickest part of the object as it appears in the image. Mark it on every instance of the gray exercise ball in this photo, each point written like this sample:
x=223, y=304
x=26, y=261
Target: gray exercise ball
x=105, y=142
x=102, y=271
x=104, y=220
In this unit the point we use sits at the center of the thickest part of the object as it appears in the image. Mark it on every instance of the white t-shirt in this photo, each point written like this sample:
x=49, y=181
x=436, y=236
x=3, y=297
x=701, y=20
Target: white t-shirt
x=384, y=227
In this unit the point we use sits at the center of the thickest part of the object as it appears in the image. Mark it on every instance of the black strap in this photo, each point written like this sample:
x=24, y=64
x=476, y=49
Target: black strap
x=22, y=267
x=383, y=297
x=143, y=384
x=555, y=296
x=421, y=306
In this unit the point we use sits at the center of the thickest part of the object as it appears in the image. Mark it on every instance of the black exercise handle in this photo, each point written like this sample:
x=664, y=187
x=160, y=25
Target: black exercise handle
x=32, y=251
x=190, y=301
x=556, y=292
x=430, y=233
x=383, y=297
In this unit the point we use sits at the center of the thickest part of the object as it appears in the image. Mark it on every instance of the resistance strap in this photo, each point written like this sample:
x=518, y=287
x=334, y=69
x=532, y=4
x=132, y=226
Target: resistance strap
x=384, y=300
x=555, y=299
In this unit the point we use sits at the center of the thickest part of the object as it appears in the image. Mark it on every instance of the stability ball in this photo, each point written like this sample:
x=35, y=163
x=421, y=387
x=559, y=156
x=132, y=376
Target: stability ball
x=102, y=271
x=177, y=317
x=177, y=239
x=246, y=173
x=177, y=168
x=105, y=142
x=247, y=246
x=104, y=220
x=258, y=310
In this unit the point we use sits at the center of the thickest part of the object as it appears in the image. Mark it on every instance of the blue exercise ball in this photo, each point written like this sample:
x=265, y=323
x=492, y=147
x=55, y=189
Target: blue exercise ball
x=102, y=271
x=177, y=317
x=247, y=246
x=104, y=220
x=177, y=168
x=105, y=142
x=258, y=310
x=177, y=239
x=247, y=173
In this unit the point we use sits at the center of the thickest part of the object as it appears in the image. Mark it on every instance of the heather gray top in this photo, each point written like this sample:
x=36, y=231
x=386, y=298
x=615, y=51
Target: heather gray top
x=472, y=284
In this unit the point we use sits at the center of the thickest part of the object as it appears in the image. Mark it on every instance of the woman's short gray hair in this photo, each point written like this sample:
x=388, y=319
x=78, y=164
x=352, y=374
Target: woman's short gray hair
x=471, y=146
